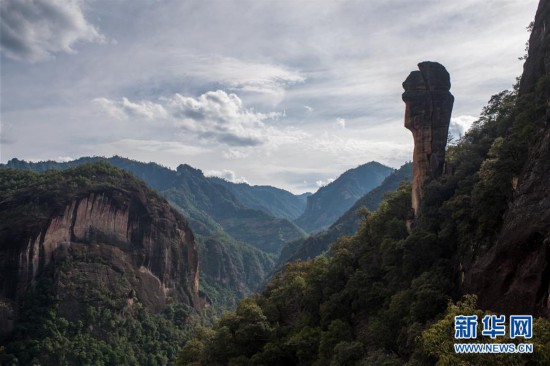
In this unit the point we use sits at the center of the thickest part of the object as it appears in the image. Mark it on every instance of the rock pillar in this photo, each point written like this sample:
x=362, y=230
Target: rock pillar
x=427, y=115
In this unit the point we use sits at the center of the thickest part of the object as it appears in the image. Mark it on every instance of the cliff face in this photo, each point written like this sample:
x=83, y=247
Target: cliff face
x=427, y=115
x=126, y=239
x=514, y=277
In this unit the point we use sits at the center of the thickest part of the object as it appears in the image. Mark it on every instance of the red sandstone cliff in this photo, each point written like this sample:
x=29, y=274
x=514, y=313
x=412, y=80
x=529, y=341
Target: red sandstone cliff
x=131, y=231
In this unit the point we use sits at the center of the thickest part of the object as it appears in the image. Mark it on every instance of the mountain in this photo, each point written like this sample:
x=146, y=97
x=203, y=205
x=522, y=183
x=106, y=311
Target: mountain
x=303, y=197
x=95, y=266
x=348, y=223
x=274, y=201
x=257, y=228
x=237, y=245
x=514, y=275
x=326, y=205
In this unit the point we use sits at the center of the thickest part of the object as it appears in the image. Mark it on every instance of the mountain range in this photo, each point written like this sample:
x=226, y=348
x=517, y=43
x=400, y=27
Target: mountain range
x=239, y=229
x=347, y=224
x=326, y=205
x=274, y=201
x=237, y=245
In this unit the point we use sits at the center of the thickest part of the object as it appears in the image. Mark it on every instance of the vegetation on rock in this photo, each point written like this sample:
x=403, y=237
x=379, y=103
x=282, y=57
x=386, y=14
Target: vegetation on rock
x=96, y=299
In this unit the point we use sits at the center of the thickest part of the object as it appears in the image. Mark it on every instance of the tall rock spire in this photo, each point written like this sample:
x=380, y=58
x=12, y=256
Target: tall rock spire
x=427, y=114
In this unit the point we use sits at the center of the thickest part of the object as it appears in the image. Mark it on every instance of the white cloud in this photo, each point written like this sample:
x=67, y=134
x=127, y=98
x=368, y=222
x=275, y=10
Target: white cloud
x=308, y=108
x=255, y=77
x=219, y=116
x=235, y=154
x=37, y=30
x=214, y=115
x=460, y=125
x=341, y=122
x=228, y=175
x=261, y=81
x=125, y=109
x=322, y=183
x=156, y=146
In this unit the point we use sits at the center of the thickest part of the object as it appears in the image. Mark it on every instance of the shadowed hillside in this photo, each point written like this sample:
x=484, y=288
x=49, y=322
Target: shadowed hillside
x=326, y=205
x=347, y=224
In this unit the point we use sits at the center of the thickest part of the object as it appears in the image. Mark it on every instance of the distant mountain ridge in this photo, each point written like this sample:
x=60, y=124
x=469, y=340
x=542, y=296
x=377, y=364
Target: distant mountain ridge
x=348, y=223
x=272, y=200
x=326, y=205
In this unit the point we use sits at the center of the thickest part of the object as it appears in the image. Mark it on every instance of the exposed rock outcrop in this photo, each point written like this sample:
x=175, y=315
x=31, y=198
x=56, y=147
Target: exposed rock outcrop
x=128, y=235
x=427, y=115
x=514, y=277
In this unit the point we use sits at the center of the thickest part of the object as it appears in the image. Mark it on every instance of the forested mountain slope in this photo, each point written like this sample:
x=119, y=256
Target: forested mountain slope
x=348, y=223
x=514, y=276
x=326, y=205
x=274, y=201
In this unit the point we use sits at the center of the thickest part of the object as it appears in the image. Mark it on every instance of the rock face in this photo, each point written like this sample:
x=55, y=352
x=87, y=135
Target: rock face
x=514, y=277
x=135, y=238
x=427, y=115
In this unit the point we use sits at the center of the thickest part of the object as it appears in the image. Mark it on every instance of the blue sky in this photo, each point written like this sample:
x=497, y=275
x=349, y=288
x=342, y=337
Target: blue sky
x=286, y=93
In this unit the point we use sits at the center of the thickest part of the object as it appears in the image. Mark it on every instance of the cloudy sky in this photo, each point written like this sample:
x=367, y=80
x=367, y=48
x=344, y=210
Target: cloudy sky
x=289, y=93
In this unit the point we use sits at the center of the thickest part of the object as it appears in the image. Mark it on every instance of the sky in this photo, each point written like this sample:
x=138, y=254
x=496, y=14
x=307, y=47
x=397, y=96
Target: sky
x=289, y=93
